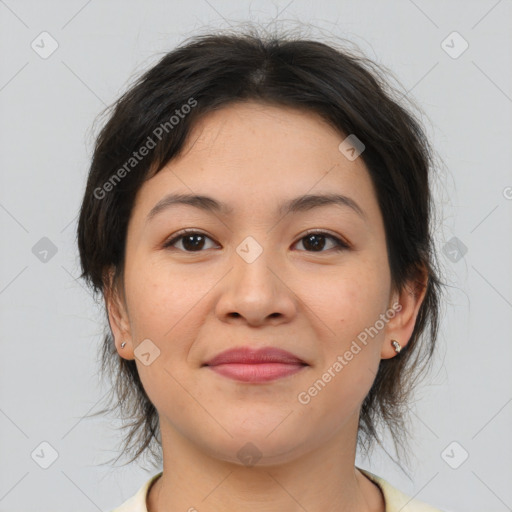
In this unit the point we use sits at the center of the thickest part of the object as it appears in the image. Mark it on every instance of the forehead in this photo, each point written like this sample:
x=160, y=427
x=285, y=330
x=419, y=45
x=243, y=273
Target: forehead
x=251, y=156
x=261, y=128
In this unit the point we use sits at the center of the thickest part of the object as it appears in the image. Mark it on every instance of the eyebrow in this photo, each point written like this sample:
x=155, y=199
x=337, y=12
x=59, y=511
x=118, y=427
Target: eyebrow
x=295, y=205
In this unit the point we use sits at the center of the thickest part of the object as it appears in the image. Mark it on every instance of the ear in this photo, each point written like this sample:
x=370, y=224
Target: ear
x=118, y=319
x=406, y=305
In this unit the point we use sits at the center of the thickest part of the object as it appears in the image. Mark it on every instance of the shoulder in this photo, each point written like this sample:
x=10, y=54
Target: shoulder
x=137, y=503
x=395, y=499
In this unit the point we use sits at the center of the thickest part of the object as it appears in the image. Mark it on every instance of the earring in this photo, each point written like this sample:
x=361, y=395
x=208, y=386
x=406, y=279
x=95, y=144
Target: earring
x=123, y=344
x=396, y=345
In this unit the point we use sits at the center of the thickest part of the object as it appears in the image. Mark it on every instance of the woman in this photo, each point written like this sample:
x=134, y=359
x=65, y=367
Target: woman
x=257, y=218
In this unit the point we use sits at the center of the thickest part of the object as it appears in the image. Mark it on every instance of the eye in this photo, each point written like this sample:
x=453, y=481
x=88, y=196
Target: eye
x=192, y=241
x=314, y=241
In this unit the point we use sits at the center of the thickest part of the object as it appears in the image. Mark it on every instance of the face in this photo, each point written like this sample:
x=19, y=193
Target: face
x=311, y=280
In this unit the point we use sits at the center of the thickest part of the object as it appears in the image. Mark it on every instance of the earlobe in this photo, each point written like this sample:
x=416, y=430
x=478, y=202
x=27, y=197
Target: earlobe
x=120, y=327
x=400, y=328
x=117, y=317
x=126, y=352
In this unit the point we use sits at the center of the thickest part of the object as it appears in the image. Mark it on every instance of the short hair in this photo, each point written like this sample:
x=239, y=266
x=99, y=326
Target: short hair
x=350, y=92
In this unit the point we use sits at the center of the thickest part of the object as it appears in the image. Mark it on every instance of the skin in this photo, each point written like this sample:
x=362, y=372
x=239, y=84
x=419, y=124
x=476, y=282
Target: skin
x=193, y=305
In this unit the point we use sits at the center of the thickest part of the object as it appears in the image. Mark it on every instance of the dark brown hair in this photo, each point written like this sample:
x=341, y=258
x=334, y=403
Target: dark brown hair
x=207, y=72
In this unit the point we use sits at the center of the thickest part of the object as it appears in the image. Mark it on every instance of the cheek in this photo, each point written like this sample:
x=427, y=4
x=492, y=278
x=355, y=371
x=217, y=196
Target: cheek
x=161, y=309
x=349, y=299
x=160, y=300
x=349, y=303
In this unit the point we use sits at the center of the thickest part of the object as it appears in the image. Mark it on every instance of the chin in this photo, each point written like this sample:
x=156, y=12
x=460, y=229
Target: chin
x=259, y=444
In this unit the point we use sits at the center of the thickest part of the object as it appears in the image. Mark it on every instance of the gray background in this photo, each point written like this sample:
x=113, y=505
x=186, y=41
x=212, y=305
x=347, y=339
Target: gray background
x=51, y=328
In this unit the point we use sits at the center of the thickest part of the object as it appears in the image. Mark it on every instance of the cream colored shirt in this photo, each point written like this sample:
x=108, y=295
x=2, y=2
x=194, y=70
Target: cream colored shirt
x=395, y=500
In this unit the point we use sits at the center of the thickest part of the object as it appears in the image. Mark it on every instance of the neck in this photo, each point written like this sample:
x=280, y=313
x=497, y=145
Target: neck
x=324, y=480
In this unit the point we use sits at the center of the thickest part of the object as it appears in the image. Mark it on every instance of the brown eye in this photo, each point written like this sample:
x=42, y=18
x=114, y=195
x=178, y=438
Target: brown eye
x=192, y=241
x=316, y=242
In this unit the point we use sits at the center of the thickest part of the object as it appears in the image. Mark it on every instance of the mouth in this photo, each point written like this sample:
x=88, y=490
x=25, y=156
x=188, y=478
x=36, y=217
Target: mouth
x=262, y=365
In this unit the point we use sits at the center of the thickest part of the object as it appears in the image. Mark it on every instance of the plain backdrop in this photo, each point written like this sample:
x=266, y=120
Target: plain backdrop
x=51, y=328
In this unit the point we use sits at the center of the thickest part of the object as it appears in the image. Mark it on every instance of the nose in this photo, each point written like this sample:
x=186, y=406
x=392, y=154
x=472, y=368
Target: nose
x=256, y=293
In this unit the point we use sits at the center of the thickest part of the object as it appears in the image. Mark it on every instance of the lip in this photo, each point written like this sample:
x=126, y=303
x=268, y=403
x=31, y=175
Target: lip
x=261, y=365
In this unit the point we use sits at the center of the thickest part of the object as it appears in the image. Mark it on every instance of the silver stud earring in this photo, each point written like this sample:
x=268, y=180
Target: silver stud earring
x=123, y=344
x=396, y=345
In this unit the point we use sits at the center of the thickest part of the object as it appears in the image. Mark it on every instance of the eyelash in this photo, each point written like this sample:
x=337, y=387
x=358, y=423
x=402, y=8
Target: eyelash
x=340, y=245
